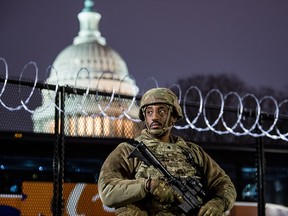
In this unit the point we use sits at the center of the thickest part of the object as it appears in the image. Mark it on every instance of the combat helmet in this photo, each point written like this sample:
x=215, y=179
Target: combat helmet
x=160, y=96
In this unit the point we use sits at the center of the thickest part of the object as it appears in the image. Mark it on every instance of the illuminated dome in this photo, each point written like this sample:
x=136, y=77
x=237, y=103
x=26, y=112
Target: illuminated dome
x=89, y=63
x=89, y=58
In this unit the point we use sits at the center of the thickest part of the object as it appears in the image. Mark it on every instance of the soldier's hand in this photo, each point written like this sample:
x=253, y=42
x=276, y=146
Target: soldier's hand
x=212, y=208
x=160, y=190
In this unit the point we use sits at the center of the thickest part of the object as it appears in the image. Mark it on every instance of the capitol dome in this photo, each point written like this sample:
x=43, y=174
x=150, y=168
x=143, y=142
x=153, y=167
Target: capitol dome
x=89, y=58
x=105, y=68
x=90, y=64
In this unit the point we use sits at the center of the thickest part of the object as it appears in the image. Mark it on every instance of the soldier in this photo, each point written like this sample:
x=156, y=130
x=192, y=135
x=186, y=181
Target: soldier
x=133, y=188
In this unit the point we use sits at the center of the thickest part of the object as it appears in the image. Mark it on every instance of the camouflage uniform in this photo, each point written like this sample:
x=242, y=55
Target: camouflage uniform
x=122, y=181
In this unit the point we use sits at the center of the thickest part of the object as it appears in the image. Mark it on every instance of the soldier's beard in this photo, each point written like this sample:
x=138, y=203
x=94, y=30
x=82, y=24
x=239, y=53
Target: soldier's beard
x=159, y=132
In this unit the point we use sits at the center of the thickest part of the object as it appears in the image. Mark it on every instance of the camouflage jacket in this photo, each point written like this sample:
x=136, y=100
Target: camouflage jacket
x=121, y=182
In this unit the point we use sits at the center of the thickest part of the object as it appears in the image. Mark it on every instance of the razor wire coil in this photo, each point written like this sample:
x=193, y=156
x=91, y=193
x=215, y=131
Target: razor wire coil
x=238, y=127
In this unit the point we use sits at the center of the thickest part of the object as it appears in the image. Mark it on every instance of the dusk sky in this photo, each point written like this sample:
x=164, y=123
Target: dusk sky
x=165, y=39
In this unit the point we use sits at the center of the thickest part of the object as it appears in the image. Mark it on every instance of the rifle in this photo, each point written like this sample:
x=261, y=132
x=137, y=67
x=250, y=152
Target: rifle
x=189, y=189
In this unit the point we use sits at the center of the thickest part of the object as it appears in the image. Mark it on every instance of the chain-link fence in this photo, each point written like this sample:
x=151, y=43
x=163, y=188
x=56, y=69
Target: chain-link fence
x=55, y=138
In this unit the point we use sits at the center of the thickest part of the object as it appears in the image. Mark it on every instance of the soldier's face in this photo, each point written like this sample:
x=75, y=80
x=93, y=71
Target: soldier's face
x=156, y=116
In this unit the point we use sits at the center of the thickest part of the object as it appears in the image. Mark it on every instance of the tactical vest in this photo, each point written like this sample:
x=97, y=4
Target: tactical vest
x=174, y=159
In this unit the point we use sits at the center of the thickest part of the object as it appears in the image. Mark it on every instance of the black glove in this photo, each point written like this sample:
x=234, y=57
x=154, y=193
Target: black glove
x=214, y=207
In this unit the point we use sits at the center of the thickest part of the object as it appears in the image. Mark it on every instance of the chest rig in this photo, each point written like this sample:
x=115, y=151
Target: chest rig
x=176, y=159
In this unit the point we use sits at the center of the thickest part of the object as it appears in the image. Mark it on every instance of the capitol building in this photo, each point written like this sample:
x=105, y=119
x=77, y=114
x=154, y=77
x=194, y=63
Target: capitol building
x=90, y=64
